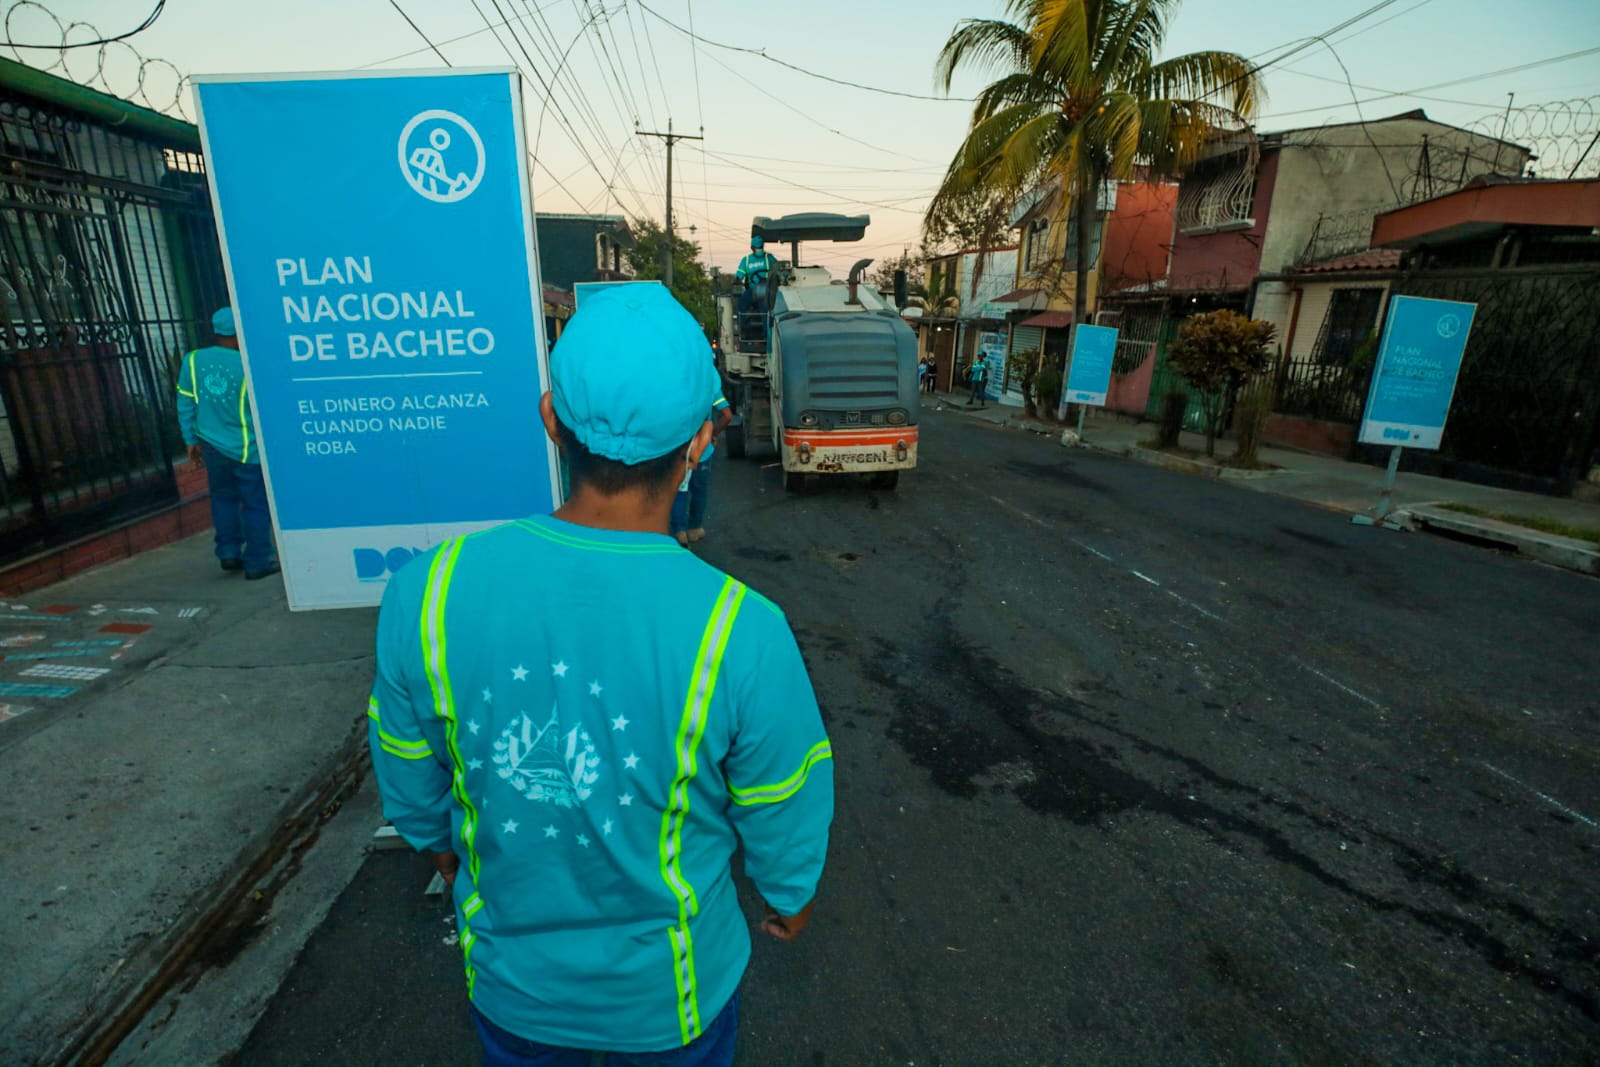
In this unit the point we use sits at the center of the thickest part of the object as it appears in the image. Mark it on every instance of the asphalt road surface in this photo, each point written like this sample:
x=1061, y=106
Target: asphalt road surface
x=1133, y=767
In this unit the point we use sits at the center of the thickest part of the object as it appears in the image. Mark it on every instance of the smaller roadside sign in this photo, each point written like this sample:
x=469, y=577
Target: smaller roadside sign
x=1415, y=376
x=1089, y=377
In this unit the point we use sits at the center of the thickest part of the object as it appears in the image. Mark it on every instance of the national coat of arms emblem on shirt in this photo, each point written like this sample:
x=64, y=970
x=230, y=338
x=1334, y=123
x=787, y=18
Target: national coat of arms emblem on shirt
x=545, y=764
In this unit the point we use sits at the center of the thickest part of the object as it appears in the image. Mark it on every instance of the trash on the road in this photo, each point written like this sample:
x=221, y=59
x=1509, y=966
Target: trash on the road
x=1069, y=438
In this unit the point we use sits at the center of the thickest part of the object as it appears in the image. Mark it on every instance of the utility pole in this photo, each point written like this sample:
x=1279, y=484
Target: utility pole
x=671, y=139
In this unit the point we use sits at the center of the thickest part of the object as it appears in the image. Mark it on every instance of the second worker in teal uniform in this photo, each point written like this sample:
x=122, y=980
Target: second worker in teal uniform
x=214, y=418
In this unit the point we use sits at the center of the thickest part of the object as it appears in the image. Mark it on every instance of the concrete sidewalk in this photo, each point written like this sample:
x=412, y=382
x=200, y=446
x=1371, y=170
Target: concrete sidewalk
x=1422, y=501
x=171, y=736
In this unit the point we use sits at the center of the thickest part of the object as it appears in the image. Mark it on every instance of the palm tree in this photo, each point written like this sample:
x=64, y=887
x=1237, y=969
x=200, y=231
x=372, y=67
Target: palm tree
x=1081, y=96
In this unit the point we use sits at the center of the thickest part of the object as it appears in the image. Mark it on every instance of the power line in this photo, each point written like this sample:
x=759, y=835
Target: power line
x=650, y=43
x=419, y=51
x=814, y=189
x=813, y=120
x=61, y=46
x=1519, y=68
x=1299, y=45
x=761, y=53
x=396, y=5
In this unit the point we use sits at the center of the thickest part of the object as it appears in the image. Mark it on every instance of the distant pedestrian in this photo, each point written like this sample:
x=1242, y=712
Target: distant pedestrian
x=694, y=495
x=214, y=419
x=979, y=376
x=582, y=723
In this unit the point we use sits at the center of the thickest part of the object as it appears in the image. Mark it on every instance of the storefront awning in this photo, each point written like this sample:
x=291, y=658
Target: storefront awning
x=1022, y=300
x=1049, y=320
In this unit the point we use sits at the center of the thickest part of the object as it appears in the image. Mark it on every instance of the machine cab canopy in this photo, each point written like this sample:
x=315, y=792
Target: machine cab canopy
x=810, y=226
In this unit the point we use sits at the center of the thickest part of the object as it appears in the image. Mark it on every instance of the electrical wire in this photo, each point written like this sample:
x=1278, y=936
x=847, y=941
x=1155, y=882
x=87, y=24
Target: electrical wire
x=1519, y=68
x=762, y=54
x=61, y=46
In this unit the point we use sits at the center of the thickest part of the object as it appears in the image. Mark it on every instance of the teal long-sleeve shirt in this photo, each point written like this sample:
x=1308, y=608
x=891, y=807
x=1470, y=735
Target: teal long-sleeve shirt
x=754, y=268
x=592, y=721
x=213, y=405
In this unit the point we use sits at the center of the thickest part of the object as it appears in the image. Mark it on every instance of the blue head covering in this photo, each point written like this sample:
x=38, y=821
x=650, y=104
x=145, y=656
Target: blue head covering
x=631, y=376
x=222, y=323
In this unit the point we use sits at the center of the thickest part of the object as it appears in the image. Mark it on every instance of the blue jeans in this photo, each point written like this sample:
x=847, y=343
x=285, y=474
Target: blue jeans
x=239, y=509
x=713, y=1048
x=689, y=507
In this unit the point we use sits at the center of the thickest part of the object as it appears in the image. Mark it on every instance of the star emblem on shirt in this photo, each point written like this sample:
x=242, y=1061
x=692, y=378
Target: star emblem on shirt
x=509, y=826
x=474, y=764
x=595, y=688
x=584, y=841
x=620, y=722
x=631, y=761
x=551, y=831
x=607, y=827
x=488, y=696
x=559, y=669
x=472, y=724
x=519, y=673
x=626, y=799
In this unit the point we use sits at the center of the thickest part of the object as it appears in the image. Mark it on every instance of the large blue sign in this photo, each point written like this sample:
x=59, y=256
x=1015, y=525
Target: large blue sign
x=1089, y=376
x=378, y=237
x=1415, y=376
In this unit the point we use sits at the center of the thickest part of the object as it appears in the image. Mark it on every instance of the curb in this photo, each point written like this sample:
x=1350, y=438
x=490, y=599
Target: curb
x=213, y=916
x=1565, y=552
x=1194, y=466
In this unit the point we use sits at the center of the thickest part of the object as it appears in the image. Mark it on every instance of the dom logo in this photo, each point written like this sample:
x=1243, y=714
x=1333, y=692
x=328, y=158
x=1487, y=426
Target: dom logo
x=441, y=156
x=375, y=566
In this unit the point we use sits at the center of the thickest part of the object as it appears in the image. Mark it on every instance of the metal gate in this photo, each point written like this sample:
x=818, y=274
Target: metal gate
x=109, y=271
x=1526, y=410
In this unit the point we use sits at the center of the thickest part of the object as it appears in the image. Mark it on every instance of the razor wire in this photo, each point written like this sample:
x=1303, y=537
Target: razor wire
x=113, y=67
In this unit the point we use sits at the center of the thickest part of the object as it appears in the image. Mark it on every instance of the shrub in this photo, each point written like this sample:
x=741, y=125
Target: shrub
x=1047, y=389
x=1218, y=352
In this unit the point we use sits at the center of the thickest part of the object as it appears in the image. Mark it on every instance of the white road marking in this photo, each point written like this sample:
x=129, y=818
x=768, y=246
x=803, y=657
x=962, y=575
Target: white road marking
x=1146, y=578
x=1546, y=797
x=1338, y=684
x=1012, y=507
x=1092, y=550
x=1191, y=604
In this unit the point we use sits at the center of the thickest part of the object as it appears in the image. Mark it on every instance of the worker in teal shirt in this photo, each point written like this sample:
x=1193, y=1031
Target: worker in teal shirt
x=214, y=418
x=694, y=495
x=753, y=271
x=581, y=721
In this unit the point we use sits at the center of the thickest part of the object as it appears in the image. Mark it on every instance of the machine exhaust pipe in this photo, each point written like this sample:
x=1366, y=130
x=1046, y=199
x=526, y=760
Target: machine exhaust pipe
x=855, y=279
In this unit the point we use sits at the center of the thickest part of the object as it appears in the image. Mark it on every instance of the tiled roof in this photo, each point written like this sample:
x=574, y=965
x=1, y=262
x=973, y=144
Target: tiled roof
x=1370, y=260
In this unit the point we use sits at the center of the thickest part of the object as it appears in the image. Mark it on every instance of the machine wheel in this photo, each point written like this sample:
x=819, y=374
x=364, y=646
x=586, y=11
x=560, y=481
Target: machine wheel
x=733, y=440
x=886, y=480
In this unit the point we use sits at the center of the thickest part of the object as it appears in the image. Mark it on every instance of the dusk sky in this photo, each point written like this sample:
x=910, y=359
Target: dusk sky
x=778, y=140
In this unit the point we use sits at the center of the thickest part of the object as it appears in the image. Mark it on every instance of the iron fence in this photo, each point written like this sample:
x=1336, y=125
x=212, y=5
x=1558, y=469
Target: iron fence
x=109, y=271
x=1331, y=382
x=1526, y=410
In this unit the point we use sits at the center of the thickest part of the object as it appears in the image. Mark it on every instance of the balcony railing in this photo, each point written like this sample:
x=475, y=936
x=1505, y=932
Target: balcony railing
x=1218, y=195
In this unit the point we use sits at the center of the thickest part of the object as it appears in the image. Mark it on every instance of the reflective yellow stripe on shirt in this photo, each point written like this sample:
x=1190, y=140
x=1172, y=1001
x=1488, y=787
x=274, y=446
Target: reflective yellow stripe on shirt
x=436, y=664
x=772, y=794
x=696, y=708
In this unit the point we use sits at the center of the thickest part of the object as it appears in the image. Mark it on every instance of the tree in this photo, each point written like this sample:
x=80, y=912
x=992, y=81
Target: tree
x=1218, y=352
x=914, y=264
x=1081, y=96
x=690, y=282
